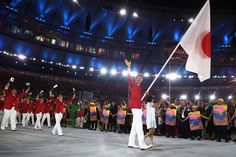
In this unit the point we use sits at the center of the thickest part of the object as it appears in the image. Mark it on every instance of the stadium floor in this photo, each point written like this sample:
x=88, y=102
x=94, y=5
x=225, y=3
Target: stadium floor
x=86, y=143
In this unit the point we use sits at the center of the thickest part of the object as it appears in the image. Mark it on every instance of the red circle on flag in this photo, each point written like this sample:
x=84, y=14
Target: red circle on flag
x=206, y=44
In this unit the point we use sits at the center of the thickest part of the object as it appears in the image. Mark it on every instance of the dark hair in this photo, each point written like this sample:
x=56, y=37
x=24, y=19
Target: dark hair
x=149, y=98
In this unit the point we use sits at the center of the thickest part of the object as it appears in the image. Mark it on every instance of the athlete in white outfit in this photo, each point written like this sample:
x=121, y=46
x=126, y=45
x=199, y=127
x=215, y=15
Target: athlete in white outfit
x=151, y=117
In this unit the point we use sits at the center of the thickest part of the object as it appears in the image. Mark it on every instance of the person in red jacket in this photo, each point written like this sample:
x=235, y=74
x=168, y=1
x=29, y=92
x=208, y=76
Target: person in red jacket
x=11, y=106
x=80, y=116
x=1, y=106
x=135, y=105
x=60, y=103
x=46, y=112
x=25, y=111
x=31, y=113
x=39, y=103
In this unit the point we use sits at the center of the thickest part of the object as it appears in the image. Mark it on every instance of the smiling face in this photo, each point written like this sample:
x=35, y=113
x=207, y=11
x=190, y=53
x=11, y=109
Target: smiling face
x=60, y=97
x=14, y=91
x=138, y=79
x=27, y=100
x=41, y=100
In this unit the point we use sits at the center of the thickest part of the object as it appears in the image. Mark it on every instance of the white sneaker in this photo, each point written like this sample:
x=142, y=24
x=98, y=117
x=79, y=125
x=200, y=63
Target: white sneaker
x=3, y=129
x=145, y=147
x=133, y=146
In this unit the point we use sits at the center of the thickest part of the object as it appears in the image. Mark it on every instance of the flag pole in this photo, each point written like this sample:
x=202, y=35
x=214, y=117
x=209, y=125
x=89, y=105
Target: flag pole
x=156, y=77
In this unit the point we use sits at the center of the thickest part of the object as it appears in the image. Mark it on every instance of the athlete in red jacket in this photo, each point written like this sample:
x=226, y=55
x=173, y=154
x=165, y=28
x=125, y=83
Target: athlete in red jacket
x=39, y=103
x=60, y=104
x=135, y=105
x=11, y=105
x=46, y=112
x=25, y=111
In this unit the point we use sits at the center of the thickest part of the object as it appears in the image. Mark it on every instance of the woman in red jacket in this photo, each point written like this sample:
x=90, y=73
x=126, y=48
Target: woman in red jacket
x=60, y=103
x=135, y=105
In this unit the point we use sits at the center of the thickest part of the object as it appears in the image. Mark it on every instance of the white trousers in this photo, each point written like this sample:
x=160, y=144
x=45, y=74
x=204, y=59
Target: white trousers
x=9, y=114
x=80, y=122
x=24, y=119
x=1, y=114
x=37, y=123
x=46, y=116
x=137, y=129
x=57, y=128
x=18, y=117
x=30, y=115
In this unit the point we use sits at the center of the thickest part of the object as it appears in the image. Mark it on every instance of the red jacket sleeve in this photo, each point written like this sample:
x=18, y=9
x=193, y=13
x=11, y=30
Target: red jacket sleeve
x=131, y=81
x=6, y=92
x=22, y=95
x=52, y=99
x=69, y=101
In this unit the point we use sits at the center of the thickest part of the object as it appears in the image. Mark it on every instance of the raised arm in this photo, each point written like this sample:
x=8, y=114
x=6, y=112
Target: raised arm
x=128, y=64
x=51, y=97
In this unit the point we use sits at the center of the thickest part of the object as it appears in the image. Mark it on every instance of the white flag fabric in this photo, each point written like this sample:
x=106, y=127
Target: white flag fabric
x=197, y=43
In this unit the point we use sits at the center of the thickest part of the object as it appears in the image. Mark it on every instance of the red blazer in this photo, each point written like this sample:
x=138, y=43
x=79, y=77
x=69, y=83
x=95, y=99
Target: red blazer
x=135, y=94
x=47, y=107
x=80, y=113
x=38, y=107
x=12, y=101
x=1, y=104
x=25, y=107
x=60, y=105
x=31, y=107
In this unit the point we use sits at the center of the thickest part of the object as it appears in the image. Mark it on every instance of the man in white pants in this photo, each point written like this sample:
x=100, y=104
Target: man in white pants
x=60, y=104
x=38, y=111
x=31, y=113
x=46, y=113
x=80, y=116
x=1, y=106
x=25, y=111
x=136, y=107
x=10, y=106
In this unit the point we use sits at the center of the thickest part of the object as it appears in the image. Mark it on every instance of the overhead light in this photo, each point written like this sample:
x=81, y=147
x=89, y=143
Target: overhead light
x=183, y=97
x=190, y=20
x=103, y=71
x=74, y=66
x=81, y=68
x=164, y=96
x=146, y=74
x=212, y=97
x=173, y=76
x=124, y=73
x=134, y=73
x=135, y=14
x=91, y=69
x=122, y=12
x=230, y=97
x=21, y=57
x=75, y=1
x=197, y=97
x=113, y=72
